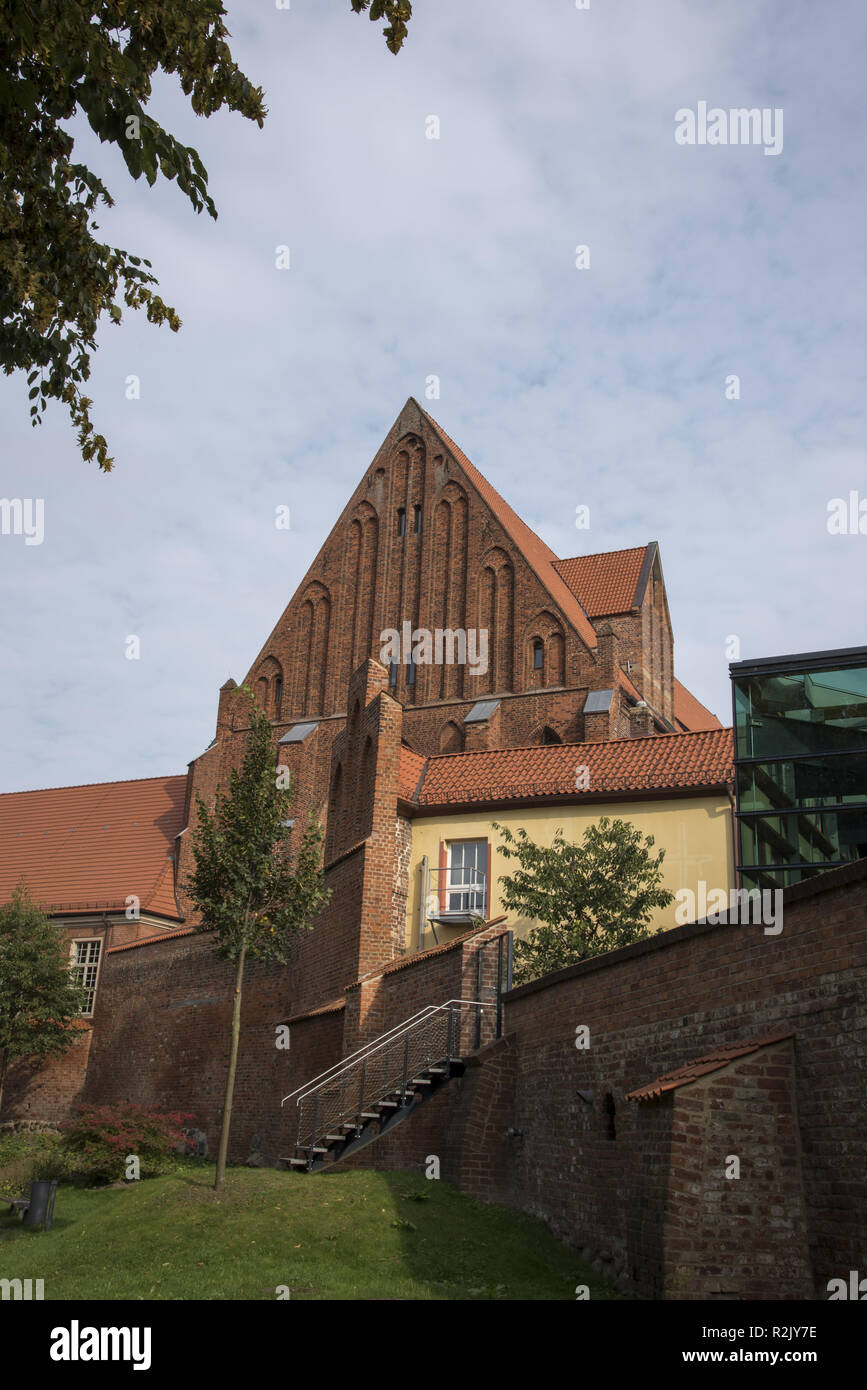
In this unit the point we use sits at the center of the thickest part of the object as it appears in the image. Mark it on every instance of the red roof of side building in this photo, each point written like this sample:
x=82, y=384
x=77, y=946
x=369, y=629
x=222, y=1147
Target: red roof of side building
x=89, y=848
x=539, y=556
x=702, y=1066
x=410, y=771
x=607, y=583
x=660, y=762
x=690, y=712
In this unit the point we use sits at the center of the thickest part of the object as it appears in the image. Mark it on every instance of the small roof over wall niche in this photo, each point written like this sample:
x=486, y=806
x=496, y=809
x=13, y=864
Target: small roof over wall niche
x=598, y=701
x=299, y=732
x=702, y=1066
x=481, y=710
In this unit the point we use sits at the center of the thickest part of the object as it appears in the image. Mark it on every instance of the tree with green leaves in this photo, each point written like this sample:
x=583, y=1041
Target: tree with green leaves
x=251, y=890
x=397, y=12
x=57, y=279
x=40, y=1002
x=589, y=898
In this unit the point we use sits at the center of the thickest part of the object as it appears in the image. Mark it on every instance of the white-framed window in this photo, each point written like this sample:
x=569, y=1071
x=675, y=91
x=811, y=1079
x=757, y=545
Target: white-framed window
x=467, y=875
x=85, y=968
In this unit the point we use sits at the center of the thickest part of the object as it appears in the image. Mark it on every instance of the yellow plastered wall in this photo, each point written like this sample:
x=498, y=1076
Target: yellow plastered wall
x=695, y=832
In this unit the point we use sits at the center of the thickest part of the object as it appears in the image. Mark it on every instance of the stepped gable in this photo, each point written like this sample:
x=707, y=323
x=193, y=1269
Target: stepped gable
x=88, y=848
x=463, y=559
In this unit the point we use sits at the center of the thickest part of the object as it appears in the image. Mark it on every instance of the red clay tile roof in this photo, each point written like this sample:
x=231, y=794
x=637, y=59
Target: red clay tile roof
x=413, y=958
x=661, y=762
x=331, y=1006
x=691, y=712
x=606, y=583
x=409, y=773
x=88, y=848
x=539, y=556
x=152, y=940
x=712, y=1061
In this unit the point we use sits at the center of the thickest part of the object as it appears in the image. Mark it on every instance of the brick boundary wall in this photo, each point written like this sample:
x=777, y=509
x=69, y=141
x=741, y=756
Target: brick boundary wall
x=650, y=1008
x=44, y=1090
x=162, y=1033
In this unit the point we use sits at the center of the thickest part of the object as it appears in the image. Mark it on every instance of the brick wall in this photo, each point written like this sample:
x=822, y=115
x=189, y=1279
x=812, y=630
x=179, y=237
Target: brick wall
x=46, y=1091
x=638, y=1185
x=316, y=1043
x=727, y=1236
x=162, y=1033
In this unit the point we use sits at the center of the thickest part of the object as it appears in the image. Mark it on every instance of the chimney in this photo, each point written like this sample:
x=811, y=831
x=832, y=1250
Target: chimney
x=640, y=720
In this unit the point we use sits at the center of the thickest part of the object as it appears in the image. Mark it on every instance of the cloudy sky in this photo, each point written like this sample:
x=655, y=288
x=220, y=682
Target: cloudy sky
x=412, y=257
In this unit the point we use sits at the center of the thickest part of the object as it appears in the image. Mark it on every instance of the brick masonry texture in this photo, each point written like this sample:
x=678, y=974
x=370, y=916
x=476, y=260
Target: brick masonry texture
x=641, y=1184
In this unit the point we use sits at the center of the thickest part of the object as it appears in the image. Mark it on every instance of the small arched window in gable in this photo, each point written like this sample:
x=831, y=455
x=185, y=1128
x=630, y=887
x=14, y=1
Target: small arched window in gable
x=278, y=696
x=538, y=653
x=451, y=738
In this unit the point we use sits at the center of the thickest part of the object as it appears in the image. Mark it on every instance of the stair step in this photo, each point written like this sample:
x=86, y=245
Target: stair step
x=391, y=1103
x=437, y=1071
x=421, y=1081
x=334, y=1138
x=369, y=1115
x=295, y=1162
x=313, y=1148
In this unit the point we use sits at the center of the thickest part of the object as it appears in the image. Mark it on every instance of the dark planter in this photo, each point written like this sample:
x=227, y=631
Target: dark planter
x=41, y=1209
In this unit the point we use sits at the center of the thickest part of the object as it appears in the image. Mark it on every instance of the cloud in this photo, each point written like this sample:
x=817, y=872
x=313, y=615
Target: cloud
x=456, y=256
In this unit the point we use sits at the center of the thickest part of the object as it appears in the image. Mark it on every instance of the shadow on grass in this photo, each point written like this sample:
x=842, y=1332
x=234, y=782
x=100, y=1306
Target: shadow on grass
x=454, y=1247
x=10, y=1227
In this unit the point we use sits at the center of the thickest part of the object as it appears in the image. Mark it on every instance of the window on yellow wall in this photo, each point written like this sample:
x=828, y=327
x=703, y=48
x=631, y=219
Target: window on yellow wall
x=467, y=876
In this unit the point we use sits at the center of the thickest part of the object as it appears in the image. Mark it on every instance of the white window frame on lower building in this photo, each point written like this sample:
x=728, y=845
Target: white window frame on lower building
x=85, y=971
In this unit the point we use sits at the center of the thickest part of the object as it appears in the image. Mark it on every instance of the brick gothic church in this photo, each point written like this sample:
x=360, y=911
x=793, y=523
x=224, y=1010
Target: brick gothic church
x=579, y=650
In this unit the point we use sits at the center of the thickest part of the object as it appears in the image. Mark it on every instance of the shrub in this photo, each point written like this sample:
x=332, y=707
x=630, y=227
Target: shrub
x=100, y=1139
x=23, y=1157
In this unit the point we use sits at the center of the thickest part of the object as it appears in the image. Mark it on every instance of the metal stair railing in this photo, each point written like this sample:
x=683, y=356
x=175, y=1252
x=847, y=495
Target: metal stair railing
x=342, y=1097
x=367, y=1047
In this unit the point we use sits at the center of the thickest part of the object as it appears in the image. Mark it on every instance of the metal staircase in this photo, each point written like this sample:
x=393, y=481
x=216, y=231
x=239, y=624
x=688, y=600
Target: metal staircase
x=383, y=1083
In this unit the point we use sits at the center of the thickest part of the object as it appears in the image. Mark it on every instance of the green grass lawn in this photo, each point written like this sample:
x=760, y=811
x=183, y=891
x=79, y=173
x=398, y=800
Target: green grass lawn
x=352, y=1235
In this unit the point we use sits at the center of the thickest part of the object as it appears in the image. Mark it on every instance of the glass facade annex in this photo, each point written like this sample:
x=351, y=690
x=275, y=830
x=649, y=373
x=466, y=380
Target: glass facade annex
x=800, y=731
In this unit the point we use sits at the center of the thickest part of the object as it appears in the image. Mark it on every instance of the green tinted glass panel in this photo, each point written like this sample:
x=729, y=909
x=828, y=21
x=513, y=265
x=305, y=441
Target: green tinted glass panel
x=777, y=878
x=803, y=837
x=812, y=712
x=811, y=782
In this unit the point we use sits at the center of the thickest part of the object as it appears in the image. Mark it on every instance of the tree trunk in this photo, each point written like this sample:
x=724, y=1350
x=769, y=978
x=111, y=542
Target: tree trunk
x=230, y=1079
x=4, y=1064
